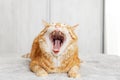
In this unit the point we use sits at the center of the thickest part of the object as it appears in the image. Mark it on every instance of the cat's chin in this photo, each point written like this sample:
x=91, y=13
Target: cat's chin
x=56, y=54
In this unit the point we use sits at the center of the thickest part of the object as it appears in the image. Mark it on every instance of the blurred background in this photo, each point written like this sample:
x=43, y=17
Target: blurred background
x=21, y=22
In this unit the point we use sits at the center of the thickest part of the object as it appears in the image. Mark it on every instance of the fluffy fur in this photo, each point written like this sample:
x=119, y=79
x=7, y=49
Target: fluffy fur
x=44, y=60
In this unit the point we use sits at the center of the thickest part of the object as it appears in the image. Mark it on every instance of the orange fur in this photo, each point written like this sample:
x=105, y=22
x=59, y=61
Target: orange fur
x=41, y=62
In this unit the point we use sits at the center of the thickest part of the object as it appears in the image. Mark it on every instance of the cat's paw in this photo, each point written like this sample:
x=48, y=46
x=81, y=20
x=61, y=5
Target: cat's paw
x=73, y=74
x=41, y=73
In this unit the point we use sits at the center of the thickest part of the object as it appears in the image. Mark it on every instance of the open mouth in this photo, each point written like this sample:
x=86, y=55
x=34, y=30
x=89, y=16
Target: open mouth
x=57, y=38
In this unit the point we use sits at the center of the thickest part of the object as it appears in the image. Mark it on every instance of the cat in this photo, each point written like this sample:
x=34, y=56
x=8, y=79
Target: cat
x=55, y=50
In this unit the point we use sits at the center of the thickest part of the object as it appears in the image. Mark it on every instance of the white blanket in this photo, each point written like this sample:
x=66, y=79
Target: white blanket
x=97, y=67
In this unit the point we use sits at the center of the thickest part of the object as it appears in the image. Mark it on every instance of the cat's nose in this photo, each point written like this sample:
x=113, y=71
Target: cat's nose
x=57, y=26
x=57, y=32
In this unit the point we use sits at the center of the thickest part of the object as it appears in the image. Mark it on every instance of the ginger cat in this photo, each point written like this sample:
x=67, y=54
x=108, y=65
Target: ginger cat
x=55, y=50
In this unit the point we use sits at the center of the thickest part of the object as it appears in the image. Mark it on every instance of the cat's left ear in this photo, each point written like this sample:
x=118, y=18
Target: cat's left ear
x=75, y=26
x=46, y=24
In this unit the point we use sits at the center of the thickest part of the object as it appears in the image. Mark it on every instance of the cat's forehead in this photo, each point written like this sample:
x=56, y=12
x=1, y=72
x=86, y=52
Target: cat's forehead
x=59, y=25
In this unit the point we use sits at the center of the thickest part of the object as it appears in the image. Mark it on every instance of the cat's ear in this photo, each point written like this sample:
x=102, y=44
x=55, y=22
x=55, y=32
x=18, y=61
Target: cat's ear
x=75, y=26
x=46, y=24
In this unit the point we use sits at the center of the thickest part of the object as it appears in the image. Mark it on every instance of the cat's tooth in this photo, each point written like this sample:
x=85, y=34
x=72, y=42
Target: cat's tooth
x=53, y=33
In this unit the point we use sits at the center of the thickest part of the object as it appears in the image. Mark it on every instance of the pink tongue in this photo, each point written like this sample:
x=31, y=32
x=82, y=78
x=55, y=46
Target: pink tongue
x=56, y=46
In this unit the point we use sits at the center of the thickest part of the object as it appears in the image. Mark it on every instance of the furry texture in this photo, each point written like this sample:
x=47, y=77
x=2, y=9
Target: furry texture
x=44, y=60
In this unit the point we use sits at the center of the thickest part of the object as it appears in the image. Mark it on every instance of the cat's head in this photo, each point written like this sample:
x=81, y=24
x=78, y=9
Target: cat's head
x=58, y=36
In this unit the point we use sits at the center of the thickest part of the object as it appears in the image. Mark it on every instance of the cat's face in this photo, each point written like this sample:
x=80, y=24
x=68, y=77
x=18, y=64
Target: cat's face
x=58, y=36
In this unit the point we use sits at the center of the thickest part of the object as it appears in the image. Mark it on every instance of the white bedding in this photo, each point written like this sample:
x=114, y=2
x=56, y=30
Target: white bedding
x=94, y=67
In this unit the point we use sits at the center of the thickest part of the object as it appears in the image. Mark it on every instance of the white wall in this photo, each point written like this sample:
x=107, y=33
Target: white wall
x=20, y=22
x=112, y=27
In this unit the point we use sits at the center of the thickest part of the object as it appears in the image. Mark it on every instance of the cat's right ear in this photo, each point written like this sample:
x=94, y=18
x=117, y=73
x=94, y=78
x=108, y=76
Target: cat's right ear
x=75, y=26
x=46, y=24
